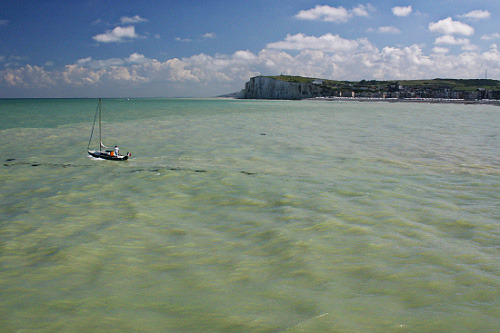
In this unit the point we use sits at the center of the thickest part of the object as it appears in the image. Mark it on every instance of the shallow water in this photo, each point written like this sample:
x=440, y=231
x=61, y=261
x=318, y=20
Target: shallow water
x=239, y=215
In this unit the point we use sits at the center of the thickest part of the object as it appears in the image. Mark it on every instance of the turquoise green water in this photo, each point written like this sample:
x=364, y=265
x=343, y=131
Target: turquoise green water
x=238, y=215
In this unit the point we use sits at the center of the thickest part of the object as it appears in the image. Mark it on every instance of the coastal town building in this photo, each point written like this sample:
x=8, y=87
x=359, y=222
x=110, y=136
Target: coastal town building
x=296, y=87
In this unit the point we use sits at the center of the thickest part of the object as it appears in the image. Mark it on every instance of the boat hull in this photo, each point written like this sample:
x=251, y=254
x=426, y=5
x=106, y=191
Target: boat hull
x=107, y=156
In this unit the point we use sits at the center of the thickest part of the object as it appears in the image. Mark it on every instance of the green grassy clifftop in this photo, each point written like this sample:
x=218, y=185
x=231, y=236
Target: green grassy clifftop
x=454, y=84
x=435, y=88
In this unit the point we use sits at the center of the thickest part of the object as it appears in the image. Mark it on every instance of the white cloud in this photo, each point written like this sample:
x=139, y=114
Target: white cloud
x=333, y=14
x=179, y=39
x=324, y=13
x=209, y=35
x=388, y=30
x=440, y=50
x=134, y=58
x=137, y=58
x=401, y=11
x=450, y=27
x=4, y=22
x=451, y=40
x=118, y=34
x=77, y=76
x=326, y=43
x=28, y=76
x=99, y=64
x=495, y=35
x=132, y=19
x=84, y=61
x=476, y=15
x=470, y=47
x=362, y=10
x=328, y=56
x=12, y=61
x=245, y=55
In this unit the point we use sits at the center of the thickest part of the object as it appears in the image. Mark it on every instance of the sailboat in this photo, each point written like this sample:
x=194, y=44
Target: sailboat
x=100, y=153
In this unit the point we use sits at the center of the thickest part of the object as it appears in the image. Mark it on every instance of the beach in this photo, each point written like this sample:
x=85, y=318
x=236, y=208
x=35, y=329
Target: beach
x=409, y=100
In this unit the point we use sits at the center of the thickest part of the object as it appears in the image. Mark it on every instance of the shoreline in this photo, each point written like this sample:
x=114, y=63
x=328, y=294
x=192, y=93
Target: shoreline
x=406, y=100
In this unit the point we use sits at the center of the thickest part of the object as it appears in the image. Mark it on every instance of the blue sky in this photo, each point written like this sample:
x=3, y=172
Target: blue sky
x=204, y=48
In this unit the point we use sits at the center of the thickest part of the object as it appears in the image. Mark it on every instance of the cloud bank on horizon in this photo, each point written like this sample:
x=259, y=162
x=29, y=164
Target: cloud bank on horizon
x=344, y=53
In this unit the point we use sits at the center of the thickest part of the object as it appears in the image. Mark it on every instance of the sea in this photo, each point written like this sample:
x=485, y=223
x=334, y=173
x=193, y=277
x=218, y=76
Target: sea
x=249, y=215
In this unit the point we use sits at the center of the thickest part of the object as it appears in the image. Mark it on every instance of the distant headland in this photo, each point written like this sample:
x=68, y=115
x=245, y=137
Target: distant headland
x=435, y=90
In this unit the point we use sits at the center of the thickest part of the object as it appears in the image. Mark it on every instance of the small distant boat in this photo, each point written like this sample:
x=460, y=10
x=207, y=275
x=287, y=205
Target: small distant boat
x=107, y=154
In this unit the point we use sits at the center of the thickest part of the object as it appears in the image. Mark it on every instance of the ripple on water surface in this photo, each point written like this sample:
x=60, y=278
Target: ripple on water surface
x=255, y=215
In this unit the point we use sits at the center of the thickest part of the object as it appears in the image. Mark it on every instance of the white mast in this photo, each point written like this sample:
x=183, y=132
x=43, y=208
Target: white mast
x=100, y=141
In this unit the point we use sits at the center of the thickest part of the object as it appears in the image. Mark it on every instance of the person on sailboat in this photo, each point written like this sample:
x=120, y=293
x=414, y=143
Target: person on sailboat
x=117, y=151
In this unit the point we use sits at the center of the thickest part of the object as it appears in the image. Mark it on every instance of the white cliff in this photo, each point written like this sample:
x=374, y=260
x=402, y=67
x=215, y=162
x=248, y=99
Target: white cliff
x=262, y=87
